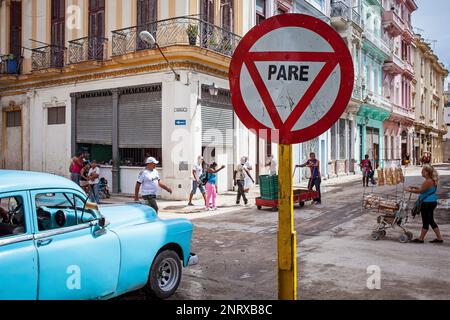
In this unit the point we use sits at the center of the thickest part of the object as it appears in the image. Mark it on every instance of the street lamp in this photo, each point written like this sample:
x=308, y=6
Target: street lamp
x=213, y=90
x=148, y=38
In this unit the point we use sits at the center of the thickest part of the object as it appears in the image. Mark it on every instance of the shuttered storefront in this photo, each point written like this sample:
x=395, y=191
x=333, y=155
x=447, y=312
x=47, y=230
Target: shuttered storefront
x=217, y=115
x=94, y=119
x=140, y=113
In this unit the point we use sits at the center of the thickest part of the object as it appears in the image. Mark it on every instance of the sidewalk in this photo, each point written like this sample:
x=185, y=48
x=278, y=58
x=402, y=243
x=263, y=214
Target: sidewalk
x=226, y=201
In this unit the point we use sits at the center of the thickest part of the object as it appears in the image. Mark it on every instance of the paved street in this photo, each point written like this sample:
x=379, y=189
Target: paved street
x=237, y=251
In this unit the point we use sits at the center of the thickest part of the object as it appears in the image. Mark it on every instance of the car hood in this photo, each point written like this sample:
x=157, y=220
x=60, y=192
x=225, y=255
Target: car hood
x=128, y=214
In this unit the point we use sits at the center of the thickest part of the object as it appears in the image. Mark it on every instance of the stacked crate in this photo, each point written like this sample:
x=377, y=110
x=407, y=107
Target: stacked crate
x=268, y=187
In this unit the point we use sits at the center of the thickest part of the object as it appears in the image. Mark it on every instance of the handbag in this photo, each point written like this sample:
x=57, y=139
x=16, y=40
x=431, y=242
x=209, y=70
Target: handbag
x=415, y=211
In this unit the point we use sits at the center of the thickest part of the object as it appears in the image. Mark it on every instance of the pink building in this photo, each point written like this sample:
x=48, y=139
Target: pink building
x=398, y=74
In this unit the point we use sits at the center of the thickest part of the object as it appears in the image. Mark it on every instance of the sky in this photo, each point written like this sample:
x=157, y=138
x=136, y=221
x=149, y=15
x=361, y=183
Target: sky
x=433, y=17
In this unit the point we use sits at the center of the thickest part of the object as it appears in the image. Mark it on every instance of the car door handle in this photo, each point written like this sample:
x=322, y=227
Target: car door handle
x=43, y=243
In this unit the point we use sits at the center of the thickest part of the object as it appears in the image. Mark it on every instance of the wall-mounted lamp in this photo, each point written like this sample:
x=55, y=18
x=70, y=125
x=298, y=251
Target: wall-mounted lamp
x=213, y=90
x=148, y=38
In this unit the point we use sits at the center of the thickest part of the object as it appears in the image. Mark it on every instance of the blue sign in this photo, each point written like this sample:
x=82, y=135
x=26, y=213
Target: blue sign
x=180, y=122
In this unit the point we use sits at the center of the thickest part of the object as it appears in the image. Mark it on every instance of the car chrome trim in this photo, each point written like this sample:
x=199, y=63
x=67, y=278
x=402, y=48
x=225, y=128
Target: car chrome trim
x=56, y=232
x=193, y=260
x=17, y=239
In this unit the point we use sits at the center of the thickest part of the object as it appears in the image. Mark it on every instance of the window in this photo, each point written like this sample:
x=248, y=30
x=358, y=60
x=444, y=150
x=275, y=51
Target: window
x=12, y=216
x=56, y=115
x=62, y=210
x=57, y=33
x=135, y=157
x=226, y=7
x=260, y=11
x=13, y=119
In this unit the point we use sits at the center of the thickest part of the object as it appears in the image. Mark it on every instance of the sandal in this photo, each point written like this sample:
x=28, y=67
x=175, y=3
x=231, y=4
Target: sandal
x=437, y=241
x=417, y=241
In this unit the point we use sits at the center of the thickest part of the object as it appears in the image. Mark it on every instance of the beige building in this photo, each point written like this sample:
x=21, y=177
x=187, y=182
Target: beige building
x=76, y=77
x=428, y=102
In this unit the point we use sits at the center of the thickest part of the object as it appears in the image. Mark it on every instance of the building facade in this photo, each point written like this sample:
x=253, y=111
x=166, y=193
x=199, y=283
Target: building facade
x=446, y=144
x=398, y=73
x=428, y=101
x=76, y=77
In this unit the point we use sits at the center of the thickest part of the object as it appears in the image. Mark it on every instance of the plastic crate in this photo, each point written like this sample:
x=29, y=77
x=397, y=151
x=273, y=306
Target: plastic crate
x=268, y=187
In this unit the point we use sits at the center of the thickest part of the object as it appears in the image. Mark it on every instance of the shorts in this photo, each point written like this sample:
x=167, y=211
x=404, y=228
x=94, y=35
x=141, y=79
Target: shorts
x=151, y=201
x=195, y=186
x=84, y=183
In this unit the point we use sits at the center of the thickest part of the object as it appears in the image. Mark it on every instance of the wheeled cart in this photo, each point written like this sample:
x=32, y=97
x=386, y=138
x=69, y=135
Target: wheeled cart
x=300, y=197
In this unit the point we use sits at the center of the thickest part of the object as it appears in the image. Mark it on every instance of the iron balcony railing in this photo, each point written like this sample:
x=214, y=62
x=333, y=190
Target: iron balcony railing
x=48, y=57
x=356, y=18
x=340, y=9
x=88, y=49
x=9, y=64
x=176, y=31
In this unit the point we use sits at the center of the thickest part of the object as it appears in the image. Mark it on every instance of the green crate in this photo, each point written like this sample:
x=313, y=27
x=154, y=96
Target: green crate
x=268, y=187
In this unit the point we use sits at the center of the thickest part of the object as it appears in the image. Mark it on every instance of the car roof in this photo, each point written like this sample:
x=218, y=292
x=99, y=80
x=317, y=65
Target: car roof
x=14, y=180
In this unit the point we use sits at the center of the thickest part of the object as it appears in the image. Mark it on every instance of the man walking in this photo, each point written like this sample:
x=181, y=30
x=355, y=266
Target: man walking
x=75, y=168
x=239, y=181
x=315, y=180
x=197, y=171
x=150, y=182
x=93, y=177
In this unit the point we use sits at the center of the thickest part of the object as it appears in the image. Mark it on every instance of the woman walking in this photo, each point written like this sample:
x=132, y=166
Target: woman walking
x=428, y=200
x=211, y=186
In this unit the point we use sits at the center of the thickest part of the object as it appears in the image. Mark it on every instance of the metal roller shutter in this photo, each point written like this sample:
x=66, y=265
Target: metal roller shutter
x=94, y=120
x=140, y=116
x=217, y=114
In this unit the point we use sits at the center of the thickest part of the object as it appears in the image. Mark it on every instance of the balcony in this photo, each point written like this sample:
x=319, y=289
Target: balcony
x=377, y=43
x=9, y=68
x=377, y=100
x=177, y=31
x=341, y=14
x=403, y=112
x=48, y=58
x=87, y=49
x=394, y=64
x=408, y=69
x=393, y=23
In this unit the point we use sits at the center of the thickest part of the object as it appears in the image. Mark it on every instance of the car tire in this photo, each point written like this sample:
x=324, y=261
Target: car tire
x=165, y=275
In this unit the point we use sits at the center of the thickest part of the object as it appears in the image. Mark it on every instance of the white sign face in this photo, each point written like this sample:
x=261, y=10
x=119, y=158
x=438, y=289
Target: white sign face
x=289, y=76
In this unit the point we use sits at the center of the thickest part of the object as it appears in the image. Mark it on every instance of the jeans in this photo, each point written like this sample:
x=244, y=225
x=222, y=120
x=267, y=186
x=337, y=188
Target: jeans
x=95, y=193
x=211, y=194
x=315, y=182
x=241, y=192
x=151, y=202
x=195, y=186
x=75, y=177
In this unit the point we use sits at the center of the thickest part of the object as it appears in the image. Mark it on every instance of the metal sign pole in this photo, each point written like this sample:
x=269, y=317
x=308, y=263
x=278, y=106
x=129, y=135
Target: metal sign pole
x=287, y=239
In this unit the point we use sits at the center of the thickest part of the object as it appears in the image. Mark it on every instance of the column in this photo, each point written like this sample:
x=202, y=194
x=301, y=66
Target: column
x=115, y=142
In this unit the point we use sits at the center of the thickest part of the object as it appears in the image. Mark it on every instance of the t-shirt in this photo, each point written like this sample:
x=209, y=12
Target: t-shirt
x=240, y=173
x=366, y=165
x=94, y=170
x=75, y=167
x=212, y=178
x=273, y=167
x=198, y=170
x=315, y=173
x=149, y=180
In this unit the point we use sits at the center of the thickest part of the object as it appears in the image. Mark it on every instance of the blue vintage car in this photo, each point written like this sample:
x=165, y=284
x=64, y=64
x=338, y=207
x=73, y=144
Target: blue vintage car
x=55, y=245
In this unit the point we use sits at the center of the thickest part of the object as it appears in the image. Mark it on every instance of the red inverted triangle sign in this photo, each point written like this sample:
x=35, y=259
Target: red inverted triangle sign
x=330, y=60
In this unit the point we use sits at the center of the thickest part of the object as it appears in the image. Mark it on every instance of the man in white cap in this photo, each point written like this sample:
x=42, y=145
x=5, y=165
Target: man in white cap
x=150, y=182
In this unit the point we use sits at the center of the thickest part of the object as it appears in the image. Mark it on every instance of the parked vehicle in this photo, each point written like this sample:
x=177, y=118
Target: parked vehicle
x=55, y=245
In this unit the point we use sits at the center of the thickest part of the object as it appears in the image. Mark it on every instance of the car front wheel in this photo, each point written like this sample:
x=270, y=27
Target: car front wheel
x=165, y=275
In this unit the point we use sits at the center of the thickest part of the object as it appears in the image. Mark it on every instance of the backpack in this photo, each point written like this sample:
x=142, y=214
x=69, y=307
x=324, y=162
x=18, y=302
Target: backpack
x=203, y=178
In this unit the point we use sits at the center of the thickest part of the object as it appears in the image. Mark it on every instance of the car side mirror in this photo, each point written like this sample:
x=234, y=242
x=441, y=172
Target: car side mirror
x=102, y=222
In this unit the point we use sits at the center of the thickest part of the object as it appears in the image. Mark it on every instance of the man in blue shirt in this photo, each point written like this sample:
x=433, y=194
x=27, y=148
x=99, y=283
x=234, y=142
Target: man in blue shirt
x=315, y=178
